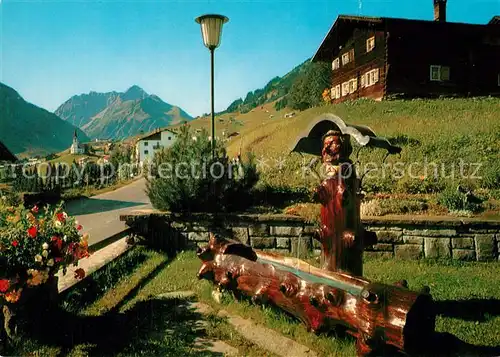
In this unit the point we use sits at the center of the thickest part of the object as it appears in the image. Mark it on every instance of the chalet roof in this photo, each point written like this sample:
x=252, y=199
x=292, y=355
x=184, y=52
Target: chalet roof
x=5, y=154
x=344, y=25
x=155, y=134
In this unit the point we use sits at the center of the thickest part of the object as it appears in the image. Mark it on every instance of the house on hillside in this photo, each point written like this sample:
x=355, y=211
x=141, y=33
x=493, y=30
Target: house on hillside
x=146, y=145
x=6, y=155
x=380, y=57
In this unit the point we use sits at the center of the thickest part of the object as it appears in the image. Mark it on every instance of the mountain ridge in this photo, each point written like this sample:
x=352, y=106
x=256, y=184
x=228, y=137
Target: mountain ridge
x=118, y=115
x=27, y=128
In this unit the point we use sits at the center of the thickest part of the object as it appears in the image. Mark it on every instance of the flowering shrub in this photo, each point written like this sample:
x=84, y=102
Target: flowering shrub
x=34, y=245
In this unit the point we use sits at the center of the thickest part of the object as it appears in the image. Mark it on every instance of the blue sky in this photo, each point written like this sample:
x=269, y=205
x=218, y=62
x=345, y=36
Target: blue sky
x=51, y=50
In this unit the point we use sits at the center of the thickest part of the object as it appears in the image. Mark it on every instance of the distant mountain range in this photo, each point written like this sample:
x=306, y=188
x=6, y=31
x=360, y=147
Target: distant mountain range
x=277, y=88
x=26, y=128
x=118, y=115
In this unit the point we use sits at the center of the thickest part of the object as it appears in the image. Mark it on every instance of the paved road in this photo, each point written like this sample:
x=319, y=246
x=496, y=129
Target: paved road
x=100, y=215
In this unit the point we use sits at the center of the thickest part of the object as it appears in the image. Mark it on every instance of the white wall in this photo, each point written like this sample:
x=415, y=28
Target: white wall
x=146, y=148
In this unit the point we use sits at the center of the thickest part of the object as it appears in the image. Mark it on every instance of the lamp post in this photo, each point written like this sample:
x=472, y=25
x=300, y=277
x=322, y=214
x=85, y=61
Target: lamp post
x=211, y=30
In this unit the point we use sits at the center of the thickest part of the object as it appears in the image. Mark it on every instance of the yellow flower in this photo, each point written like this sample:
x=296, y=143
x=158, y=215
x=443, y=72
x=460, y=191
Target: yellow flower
x=13, y=296
x=37, y=277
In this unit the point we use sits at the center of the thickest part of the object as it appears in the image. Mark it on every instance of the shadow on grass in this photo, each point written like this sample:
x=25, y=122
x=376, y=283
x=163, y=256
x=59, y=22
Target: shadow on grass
x=470, y=310
x=155, y=327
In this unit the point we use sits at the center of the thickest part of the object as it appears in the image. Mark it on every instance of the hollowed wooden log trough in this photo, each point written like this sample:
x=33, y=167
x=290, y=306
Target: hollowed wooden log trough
x=379, y=316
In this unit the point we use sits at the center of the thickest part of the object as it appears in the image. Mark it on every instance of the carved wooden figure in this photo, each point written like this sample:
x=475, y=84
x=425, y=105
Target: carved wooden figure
x=341, y=233
x=378, y=316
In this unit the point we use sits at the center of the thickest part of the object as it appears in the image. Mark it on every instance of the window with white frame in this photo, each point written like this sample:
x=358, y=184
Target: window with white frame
x=336, y=64
x=345, y=88
x=370, y=78
x=370, y=44
x=439, y=73
x=353, y=85
x=335, y=92
x=346, y=58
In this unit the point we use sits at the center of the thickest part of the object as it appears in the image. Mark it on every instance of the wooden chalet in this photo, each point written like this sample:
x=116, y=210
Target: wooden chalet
x=380, y=57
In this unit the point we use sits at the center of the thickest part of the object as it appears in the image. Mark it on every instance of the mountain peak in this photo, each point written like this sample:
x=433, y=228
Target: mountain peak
x=134, y=93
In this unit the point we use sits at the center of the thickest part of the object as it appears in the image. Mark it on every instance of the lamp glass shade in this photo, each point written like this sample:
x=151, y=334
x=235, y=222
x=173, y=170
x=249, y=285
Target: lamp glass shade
x=211, y=29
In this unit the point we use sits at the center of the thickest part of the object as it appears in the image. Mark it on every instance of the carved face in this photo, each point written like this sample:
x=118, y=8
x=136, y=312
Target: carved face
x=332, y=149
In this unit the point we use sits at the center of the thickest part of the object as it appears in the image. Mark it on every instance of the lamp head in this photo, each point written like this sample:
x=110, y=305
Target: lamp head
x=211, y=29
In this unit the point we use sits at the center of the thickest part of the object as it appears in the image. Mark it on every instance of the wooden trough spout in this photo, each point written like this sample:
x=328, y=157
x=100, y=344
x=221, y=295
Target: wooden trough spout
x=381, y=317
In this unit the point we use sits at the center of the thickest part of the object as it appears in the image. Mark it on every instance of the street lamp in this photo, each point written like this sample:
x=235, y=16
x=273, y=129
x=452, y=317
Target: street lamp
x=211, y=30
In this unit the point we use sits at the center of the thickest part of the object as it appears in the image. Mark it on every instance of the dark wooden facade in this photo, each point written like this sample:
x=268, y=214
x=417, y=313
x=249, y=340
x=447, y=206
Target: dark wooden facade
x=468, y=57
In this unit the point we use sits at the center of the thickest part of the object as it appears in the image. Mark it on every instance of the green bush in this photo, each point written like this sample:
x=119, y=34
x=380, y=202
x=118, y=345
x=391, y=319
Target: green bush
x=490, y=176
x=185, y=177
x=421, y=185
x=457, y=200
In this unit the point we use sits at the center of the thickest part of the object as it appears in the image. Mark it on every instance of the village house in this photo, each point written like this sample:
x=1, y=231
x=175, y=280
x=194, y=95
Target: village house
x=146, y=145
x=380, y=57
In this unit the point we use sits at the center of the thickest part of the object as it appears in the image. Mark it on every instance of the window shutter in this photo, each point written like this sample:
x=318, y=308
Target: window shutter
x=362, y=81
x=445, y=73
x=375, y=75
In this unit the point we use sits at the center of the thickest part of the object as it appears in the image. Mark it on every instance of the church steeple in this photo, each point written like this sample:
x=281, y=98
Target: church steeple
x=75, y=136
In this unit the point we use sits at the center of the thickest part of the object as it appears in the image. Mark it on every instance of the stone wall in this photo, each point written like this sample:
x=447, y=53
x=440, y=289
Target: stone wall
x=402, y=238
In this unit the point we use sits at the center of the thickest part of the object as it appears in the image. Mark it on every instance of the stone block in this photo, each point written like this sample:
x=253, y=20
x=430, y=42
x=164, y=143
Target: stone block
x=283, y=243
x=378, y=255
x=430, y=232
x=301, y=247
x=396, y=229
x=464, y=254
x=198, y=236
x=437, y=247
x=284, y=252
x=389, y=236
x=462, y=243
x=413, y=240
x=485, y=247
x=375, y=228
x=258, y=230
x=408, y=251
x=382, y=247
x=288, y=231
x=241, y=234
x=263, y=242
x=310, y=229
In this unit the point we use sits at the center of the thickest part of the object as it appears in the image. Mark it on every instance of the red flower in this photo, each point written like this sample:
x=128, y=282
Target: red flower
x=57, y=242
x=15, y=243
x=79, y=273
x=32, y=232
x=35, y=209
x=79, y=227
x=4, y=285
x=60, y=217
x=58, y=259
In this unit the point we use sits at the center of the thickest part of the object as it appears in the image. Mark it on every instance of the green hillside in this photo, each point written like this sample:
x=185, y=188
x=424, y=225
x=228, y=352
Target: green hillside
x=30, y=130
x=277, y=88
x=442, y=132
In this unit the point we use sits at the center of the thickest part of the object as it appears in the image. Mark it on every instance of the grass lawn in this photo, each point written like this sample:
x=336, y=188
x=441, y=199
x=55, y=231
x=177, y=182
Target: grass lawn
x=118, y=311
